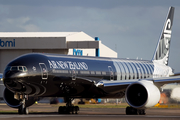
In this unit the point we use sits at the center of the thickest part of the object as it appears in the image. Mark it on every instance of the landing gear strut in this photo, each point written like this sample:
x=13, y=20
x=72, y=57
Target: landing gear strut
x=22, y=108
x=69, y=108
x=134, y=111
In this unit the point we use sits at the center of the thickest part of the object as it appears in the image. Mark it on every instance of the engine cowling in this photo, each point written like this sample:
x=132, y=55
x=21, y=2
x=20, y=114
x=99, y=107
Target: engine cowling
x=14, y=103
x=142, y=94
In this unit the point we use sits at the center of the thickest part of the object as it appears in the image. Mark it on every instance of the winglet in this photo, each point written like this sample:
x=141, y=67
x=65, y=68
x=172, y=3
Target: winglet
x=161, y=54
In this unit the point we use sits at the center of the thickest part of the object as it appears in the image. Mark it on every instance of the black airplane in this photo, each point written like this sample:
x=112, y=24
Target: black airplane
x=35, y=75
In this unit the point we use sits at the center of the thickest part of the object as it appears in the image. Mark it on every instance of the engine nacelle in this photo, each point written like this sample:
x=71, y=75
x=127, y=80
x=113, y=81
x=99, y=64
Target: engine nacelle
x=142, y=94
x=14, y=103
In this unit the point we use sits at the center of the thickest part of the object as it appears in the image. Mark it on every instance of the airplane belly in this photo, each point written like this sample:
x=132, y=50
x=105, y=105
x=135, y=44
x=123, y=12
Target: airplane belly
x=65, y=86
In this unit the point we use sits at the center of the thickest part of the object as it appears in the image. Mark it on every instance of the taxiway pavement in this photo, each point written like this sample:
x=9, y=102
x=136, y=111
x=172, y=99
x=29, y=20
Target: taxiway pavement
x=49, y=112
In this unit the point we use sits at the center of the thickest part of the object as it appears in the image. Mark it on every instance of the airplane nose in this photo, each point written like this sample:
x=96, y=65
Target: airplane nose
x=8, y=77
x=12, y=82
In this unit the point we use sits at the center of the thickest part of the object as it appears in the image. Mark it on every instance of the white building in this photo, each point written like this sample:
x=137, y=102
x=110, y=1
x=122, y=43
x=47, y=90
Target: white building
x=14, y=44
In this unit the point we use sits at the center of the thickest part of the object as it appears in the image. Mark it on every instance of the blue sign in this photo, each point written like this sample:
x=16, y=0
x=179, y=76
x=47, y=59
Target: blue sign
x=97, y=50
x=7, y=43
x=77, y=52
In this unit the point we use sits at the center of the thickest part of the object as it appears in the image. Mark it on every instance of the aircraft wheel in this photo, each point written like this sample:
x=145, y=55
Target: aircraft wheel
x=131, y=111
x=20, y=110
x=23, y=110
x=66, y=110
x=26, y=111
x=141, y=112
x=76, y=108
x=60, y=110
x=72, y=109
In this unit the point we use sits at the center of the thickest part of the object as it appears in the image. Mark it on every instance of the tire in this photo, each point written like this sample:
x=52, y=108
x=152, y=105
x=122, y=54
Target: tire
x=20, y=111
x=131, y=111
x=76, y=109
x=60, y=110
x=25, y=111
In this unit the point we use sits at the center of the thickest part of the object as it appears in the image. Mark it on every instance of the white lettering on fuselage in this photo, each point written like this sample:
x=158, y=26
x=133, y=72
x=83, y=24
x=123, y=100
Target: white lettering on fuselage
x=67, y=65
x=167, y=33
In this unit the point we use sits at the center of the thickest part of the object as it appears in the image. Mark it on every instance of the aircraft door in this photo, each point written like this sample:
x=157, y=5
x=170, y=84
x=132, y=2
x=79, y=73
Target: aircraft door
x=111, y=73
x=73, y=74
x=44, y=71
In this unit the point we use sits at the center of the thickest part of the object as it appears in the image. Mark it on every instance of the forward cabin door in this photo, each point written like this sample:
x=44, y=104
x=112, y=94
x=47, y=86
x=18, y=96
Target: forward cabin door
x=44, y=71
x=73, y=74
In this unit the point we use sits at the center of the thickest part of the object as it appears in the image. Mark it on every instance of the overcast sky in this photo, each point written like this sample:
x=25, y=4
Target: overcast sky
x=131, y=28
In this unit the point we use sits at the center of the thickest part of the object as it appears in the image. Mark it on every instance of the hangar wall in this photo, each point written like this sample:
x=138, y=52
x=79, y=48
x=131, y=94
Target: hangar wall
x=14, y=44
x=104, y=51
x=6, y=55
x=34, y=43
x=107, y=52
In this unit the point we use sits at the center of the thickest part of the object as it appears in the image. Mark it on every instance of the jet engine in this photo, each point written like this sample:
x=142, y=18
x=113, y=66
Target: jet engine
x=13, y=102
x=142, y=94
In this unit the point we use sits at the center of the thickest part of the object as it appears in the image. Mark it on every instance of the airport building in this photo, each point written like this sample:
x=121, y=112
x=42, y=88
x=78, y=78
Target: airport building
x=14, y=44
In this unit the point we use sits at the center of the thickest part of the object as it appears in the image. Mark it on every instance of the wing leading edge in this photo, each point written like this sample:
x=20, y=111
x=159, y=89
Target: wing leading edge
x=162, y=81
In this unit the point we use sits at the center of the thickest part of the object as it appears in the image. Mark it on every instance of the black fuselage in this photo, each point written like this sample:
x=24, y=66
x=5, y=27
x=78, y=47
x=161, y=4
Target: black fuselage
x=51, y=75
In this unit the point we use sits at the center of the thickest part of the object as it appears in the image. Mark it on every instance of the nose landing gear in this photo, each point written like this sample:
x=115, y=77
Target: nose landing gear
x=22, y=108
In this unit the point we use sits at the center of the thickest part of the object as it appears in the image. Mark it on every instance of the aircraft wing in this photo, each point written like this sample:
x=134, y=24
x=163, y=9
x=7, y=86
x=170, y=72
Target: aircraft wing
x=176, y=74
x=166, y=80
x=119, y=85
x=114, y=86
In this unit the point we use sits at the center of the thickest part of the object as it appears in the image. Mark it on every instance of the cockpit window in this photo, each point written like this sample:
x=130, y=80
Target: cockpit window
x=20, y=68
x=16, y=68
x=25, y=69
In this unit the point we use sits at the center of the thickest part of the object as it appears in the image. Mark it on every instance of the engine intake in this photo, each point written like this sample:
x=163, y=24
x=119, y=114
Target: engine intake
x=142, y=94
x=14, y=103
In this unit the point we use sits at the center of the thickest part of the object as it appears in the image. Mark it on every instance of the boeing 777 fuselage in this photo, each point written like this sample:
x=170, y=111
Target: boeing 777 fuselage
x=49, y=75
